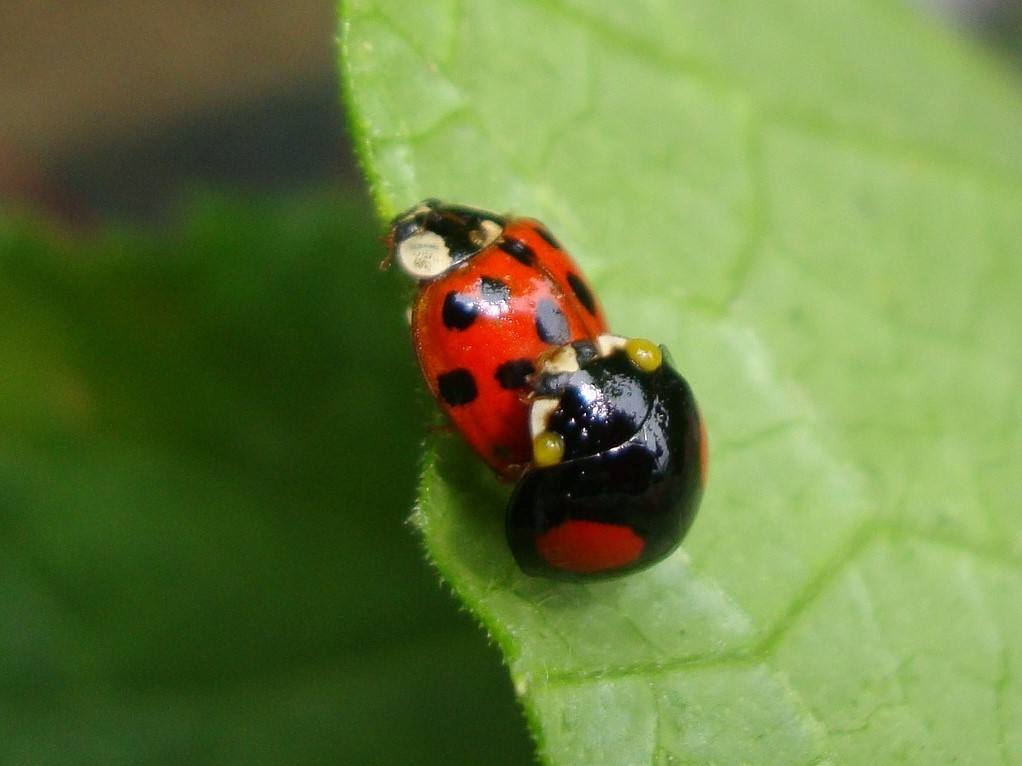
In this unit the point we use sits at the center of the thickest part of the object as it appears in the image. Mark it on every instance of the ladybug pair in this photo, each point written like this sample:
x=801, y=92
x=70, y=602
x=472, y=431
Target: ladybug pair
x=600, y=433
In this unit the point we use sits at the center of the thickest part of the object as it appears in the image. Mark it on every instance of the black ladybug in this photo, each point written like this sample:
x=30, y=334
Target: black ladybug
x=619, y=462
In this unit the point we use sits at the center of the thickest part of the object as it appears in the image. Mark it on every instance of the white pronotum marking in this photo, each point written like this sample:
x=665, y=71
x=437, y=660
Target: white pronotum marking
x=560, y=359
x=539, y=414
x=488, y=232
x=424, y=255
x=607, y=344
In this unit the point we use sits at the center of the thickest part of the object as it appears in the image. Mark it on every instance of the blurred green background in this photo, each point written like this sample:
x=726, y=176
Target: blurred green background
x=209, y=412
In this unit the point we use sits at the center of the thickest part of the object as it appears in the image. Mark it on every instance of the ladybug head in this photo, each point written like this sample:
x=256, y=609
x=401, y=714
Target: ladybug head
x=429, y=239
x=591, y=396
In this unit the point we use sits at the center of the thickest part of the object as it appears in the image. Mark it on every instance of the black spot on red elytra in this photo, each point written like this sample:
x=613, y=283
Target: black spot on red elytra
x=582, y=292
x=548, y=237
x=551, y=324
x=512, y=375
x=518, y=250
x=494, y=291
x=459, y=311
x=457, y=387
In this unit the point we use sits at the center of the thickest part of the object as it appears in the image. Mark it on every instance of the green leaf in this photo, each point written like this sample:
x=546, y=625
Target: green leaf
x=818, y=208
x=208, y=450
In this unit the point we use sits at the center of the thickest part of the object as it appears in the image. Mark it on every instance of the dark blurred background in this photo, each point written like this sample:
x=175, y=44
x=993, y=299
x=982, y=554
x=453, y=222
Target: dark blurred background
x=131, y=105
x=204, y=549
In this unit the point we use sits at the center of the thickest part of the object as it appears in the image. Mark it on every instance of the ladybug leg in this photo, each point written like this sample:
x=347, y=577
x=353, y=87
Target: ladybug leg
x=388, y=244
x=511, y=472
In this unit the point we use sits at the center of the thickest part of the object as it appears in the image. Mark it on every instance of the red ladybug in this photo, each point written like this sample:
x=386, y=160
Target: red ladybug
x=494, y=293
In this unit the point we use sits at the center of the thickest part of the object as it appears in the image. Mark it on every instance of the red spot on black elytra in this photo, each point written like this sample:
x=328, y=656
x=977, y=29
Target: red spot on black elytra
x=588, y=547
x=457, y=387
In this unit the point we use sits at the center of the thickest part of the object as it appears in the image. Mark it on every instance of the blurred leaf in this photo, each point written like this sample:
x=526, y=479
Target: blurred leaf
x=208, y=444
x=818, y=208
